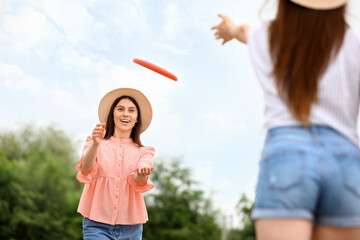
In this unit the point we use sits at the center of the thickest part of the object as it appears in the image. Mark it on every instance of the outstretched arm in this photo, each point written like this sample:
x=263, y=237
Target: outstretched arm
x=90, y=156
x=139, y=179
x=228, y=30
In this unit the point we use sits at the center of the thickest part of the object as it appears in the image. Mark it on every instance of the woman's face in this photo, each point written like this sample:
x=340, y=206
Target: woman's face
x=125, y=116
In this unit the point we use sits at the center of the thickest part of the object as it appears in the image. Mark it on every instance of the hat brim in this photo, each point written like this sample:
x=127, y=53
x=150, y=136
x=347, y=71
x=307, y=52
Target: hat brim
x=144, y=105
x=320, y=4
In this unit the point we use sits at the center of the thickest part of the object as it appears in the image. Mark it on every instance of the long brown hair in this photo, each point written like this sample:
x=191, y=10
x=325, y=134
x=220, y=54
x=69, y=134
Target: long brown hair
x=110, y=125
x=302, y=43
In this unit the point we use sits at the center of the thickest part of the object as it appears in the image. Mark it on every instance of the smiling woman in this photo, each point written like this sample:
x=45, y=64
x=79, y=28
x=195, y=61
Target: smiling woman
x=125, y=118
x=115, y=168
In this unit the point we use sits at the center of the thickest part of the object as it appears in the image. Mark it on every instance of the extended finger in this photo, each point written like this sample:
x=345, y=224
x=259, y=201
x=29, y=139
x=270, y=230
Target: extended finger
x=141, y=171
x=221, y=16
x=149, y=170
x=146, y=171
x=96, y=136
x=215, y=27
x=98, y=132
x=99, y=128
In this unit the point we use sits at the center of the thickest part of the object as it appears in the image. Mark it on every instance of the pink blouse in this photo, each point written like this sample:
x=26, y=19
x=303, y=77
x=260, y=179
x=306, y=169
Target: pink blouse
x=111, y=195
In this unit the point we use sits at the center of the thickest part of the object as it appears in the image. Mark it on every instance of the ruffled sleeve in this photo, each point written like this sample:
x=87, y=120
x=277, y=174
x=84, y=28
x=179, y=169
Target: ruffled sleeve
x=146, y=160
x=88, y=176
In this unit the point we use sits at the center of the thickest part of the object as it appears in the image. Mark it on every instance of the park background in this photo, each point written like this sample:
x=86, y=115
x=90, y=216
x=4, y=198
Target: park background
x=58, y=58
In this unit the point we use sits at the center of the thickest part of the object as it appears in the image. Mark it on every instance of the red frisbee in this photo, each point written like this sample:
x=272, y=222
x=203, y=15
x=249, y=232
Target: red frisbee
x=155, y=68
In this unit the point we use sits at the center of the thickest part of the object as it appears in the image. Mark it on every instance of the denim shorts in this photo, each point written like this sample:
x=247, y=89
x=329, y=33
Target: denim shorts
x=309, y=173
x=100, y=231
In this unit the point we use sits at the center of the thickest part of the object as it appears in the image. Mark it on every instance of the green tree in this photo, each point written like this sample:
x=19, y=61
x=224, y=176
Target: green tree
x=176, y=210
x=243, y=209
x=38, y=190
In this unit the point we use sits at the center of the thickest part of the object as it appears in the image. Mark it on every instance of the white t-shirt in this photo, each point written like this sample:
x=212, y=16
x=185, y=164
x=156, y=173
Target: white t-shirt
x=338, y=91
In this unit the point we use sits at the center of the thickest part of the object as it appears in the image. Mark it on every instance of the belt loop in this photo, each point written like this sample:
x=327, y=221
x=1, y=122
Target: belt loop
x=316, y=134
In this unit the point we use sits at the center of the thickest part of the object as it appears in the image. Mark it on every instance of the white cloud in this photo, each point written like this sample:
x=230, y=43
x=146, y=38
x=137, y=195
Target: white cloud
x=72, y=18
x=81, y=25
x=15, y=78
x=63, y=96
x=28, y=29
x=83, y=65
x=175, y=50
x=177, y=23
x=220, y=122
x=129, y=17
x=85, y=84
x=174, y=22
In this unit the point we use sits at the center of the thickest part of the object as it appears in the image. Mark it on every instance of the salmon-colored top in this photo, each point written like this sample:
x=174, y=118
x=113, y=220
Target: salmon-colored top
x=111, y=195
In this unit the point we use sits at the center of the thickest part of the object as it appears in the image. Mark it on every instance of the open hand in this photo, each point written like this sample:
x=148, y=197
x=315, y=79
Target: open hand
x=225, y=30
x=144, y=171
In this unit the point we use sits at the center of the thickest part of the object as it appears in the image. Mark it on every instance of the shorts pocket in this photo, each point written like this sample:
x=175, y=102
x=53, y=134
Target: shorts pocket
x=284, y=169
x=350, y=166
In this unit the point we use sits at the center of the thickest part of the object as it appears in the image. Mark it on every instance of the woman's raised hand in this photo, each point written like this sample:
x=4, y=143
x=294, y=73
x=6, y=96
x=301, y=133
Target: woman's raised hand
x=228, y=30
x=98, y=133
x=224, y=29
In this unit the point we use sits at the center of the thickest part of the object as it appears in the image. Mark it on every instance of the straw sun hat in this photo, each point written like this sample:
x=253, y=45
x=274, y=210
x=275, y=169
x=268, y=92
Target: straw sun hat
x=320, y=4
x=143, y=102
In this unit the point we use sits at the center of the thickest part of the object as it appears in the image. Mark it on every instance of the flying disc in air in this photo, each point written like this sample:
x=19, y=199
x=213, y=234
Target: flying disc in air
x=155, y=68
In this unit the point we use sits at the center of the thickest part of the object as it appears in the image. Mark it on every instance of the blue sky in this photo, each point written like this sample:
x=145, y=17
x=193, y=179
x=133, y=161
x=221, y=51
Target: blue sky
x=58, y=58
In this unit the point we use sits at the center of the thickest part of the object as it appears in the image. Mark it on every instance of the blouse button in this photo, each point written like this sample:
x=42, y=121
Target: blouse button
x=115, y=207
x=116, y=196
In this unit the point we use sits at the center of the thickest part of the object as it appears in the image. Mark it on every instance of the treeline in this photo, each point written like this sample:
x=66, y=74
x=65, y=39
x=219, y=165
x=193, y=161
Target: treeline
x=39, y=194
